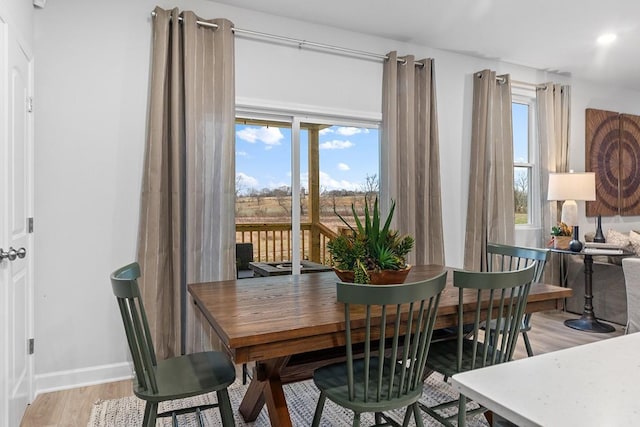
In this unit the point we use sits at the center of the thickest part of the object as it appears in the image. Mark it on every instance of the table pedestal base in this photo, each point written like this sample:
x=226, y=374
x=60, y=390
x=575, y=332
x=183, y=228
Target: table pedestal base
x=588, y=324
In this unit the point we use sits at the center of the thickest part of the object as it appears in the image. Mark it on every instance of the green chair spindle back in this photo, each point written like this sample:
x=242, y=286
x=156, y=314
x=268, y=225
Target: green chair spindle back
x=388, y=334
x=125, y=287
x=509, y=258
x=503, y=296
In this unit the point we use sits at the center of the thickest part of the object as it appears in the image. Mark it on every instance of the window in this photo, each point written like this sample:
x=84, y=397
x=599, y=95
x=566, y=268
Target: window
x=337, y=163
x=525, y=167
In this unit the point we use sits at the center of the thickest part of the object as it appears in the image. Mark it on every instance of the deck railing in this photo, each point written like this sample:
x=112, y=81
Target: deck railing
x=272, y=242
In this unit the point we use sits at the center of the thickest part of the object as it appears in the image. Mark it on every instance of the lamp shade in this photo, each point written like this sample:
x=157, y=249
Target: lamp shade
x=572, y=186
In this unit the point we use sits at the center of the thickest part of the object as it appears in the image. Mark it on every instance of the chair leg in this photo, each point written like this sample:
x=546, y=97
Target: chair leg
x=378, y=418
x=417, y=414
x=356, y=419
x=319, y=407
x=147, y=410
x=226, y=413
x=527, y=344
x=150, y=414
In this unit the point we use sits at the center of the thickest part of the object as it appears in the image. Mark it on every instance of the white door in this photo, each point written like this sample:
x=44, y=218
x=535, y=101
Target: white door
x=16, y=204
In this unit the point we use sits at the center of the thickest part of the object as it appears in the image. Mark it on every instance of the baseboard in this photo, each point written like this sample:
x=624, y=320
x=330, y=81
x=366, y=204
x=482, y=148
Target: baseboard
x=74, y=378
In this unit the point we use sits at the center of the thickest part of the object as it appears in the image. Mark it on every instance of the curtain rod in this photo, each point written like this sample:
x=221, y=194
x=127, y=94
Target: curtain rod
x=530, y=85
x=302, y=43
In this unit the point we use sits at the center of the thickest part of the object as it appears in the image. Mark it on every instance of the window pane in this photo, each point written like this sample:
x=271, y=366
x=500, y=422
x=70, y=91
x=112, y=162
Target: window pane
x=263, y=178
x=522, y=178
x=349, y=162
x=520, y=114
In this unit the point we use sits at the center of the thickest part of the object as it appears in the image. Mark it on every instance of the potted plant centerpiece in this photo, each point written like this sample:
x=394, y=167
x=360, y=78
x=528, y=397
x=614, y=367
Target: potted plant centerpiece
x=371, y=252
x=561, y=236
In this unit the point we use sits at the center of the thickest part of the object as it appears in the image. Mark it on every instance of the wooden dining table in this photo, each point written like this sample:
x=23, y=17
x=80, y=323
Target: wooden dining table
x=290, y=325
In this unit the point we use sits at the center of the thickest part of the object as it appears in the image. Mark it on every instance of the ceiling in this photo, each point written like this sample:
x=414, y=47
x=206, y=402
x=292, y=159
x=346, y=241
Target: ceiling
x=553, y=35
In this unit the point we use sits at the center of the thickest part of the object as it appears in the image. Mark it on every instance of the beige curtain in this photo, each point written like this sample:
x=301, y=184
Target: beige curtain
x=410, y=154
x=490, y=214
x=553, y=108
x=186, y=231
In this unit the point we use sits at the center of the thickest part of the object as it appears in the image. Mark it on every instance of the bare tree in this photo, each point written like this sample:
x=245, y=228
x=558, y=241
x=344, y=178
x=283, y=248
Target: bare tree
x=371, y=185
x=370, y=188
x=521, y=192
x=283, y=197
x=239, y=186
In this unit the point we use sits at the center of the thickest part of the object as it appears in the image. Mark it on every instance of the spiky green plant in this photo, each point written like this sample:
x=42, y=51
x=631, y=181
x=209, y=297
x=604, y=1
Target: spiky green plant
x=368, y=245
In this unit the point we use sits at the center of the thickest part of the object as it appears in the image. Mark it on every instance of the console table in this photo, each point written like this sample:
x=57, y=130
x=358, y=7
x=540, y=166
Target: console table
x=588, y=321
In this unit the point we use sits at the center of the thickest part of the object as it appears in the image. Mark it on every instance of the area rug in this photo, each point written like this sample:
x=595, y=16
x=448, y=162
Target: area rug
x=301, y=399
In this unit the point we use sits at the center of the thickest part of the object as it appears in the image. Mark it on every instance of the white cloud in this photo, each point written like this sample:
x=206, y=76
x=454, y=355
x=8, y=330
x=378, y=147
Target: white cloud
x=328, y=183
x=266, y=135
x=246, y=180
x=336, y=144
x=325, y=131
x=242, y=153
x=348, y=131
x=343, y=166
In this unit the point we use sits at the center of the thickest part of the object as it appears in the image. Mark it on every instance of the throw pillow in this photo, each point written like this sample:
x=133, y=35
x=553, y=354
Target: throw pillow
x=617, y=238
x=621, y=240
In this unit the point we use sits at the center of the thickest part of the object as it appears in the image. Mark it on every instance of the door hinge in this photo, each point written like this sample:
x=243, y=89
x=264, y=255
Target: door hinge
x=30, y=224
x=29, y=104
x=30, y=345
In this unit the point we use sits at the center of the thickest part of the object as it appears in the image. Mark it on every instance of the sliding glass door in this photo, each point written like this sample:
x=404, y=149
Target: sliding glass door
x=292, y=176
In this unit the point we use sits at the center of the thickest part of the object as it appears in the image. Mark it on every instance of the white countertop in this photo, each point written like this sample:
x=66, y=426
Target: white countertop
x=595, y=384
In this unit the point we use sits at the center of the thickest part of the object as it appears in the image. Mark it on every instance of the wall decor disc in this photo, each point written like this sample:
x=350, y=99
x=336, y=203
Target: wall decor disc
x=602, y=132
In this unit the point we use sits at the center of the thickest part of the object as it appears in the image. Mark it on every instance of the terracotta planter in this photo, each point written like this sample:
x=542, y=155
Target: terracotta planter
x=384, y=277
x=561, y=242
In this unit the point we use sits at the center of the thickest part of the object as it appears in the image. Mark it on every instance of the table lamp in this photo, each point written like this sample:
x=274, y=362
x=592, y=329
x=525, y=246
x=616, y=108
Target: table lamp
x=570, y=187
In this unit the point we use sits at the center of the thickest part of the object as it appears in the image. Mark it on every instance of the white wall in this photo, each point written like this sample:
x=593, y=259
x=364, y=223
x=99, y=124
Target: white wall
x=91, y=94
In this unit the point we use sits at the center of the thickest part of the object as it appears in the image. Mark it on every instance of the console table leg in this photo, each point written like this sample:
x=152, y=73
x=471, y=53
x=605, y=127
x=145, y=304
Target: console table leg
x=588, y=321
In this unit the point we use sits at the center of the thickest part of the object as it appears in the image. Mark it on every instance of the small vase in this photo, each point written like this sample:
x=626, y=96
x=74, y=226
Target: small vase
x=599, y=237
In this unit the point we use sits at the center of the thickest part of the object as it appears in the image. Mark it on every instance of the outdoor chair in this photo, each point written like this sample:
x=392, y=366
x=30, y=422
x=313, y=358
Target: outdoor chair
x=244, y=256
x=389, y=375
x=509, y=258
x=157, y=381
x=503, y=297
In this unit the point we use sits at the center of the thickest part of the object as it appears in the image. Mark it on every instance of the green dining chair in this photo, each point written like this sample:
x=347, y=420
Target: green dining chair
x=386, y=352
x=175, y=378
x=509, y=258
x=503, y=297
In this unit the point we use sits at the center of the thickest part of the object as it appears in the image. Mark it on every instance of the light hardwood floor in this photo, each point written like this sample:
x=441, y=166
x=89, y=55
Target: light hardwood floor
x=72, y=408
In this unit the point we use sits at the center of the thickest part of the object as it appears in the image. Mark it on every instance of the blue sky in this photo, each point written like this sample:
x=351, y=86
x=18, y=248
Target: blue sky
x=347, y=156
x=520, y=114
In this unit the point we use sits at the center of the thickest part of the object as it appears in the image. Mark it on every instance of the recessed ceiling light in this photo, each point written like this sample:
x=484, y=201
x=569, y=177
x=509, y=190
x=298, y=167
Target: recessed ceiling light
x=607, y=38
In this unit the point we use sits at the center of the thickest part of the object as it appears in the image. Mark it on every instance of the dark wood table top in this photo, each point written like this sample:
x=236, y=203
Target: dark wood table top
x=268, y=317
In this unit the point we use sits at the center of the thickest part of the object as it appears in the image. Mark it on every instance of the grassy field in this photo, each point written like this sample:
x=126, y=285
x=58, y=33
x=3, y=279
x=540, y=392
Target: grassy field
x=252, y=210
x=274, y=245
x=522, y=218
